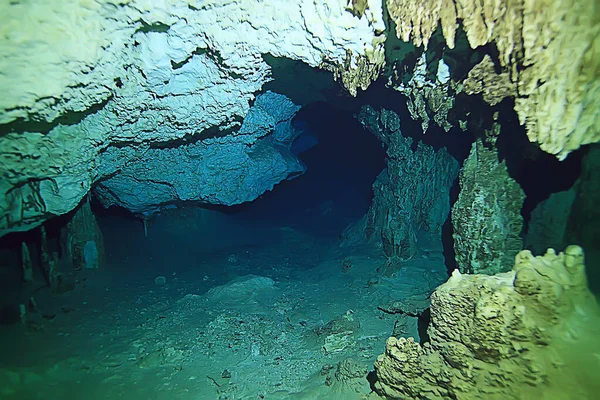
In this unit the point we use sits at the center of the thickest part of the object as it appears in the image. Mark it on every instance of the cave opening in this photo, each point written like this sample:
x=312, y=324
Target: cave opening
x=341, y=159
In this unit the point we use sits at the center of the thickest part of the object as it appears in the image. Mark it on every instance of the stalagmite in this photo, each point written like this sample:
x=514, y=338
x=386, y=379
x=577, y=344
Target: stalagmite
x=82, y=240
x=45, y=255
x=26, y=263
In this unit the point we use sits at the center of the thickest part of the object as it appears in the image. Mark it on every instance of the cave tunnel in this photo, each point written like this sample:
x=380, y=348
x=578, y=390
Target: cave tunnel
x=276, y=201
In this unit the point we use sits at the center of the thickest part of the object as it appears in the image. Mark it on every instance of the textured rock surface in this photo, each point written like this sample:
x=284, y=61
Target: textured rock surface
x=549, y=48
x=486, y=217
x=528, y=333
x=484, y=79
x=222, y=170
x=429, y=99
x=143, y=74
x=94, y=43
x=412, y=193
x=572, y=216
x=82, y=240
x=584, y=222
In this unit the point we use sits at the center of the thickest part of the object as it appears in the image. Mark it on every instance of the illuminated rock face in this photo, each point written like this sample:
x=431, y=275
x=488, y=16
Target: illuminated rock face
x=224, y=170
x=526, y=333
x=547, y=49
x=126, y=77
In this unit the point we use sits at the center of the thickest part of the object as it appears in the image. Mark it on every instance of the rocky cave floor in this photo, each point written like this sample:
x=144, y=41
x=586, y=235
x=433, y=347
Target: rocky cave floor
x=248, y=311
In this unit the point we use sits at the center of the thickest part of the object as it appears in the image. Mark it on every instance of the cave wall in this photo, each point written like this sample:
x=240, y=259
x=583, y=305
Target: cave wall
x=223, y=170
x=123, y=78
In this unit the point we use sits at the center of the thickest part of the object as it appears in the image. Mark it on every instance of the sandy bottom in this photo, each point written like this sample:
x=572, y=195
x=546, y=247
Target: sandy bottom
x=247, y=312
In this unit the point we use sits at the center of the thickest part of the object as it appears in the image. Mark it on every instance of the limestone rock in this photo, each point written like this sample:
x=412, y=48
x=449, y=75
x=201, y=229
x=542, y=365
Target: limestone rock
x=429, y=99
x=124, y=77
x=486, y=217
x=527, y=333
x=412, y=193
x=584, y=223
x=219, y=170
x=484, y=79
x=82, y=240
x=549, y=49
x=93, y=43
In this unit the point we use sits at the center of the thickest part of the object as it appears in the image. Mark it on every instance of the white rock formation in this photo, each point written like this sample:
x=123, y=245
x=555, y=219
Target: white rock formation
x=428, y=99
x=105, y=74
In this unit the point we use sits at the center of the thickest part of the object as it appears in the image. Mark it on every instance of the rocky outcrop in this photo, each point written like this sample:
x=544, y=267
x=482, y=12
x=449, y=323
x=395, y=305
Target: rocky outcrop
x=528, y=333
x=548, y=48
x=124, y=78
x=223, y=170
x=486, y=217
x=493, y=86
x=412, y=193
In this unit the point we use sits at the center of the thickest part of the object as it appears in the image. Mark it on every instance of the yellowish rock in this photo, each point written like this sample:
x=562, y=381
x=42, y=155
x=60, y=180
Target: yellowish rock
x=528, y=333
x=549, y=48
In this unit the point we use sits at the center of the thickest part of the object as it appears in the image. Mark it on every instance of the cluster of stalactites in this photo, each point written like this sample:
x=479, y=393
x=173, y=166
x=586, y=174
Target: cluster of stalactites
x=548, y=48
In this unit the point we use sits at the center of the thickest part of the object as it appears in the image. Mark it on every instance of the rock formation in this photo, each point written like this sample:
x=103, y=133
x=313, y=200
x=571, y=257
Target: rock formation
x=26, y=264
x=429, y=99
x=549, y=221
x=225, y=170
x=81, y=239
x=528, y=333
x=412, y=193
x=127, y=77
x=486, y=217
x=484, y=79
x=549, y=49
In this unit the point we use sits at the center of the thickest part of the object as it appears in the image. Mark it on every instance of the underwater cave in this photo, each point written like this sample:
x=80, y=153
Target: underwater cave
x=309, y=200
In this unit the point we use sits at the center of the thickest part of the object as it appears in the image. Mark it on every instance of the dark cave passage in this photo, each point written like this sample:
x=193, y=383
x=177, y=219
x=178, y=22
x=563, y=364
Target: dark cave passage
x=342, y=161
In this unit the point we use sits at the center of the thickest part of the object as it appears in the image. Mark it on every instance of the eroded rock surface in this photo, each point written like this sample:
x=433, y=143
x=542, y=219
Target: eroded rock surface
x=528, y=333
x=429, y=99
x=223, y=170
x=124, y=78
x=412, y=193
x=486, y=217
x=548, y=49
